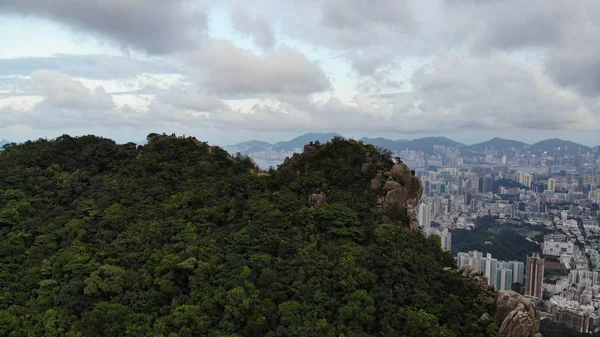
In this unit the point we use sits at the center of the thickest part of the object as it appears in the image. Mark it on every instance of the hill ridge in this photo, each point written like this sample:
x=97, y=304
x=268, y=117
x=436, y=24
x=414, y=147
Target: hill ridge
x=180, y=238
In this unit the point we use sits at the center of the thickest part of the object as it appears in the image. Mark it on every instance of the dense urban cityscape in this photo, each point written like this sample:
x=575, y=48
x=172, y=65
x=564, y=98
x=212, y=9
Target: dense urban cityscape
x=553, y=191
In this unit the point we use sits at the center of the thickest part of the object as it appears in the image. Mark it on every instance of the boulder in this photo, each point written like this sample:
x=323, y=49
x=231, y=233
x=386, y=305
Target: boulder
x=518, y=323
x=390, y=185
x=377, y=181
x=401, y=173
x=517, y=315
x=396, y=197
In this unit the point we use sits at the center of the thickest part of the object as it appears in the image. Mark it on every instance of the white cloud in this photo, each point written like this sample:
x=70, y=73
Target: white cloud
x=225, y=69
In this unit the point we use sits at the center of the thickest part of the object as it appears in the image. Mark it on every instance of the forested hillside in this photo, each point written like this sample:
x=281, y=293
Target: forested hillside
x=179, y=239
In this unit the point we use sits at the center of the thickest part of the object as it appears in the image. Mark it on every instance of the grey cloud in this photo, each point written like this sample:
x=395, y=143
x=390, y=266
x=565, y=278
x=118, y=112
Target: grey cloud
x=484, y=93
x=508, y=24
x=497, y=92
x=161, y=114
x=102, y=67
x=228, y=70
x=375, y=70
x=575, y=62
x=564, y=33
x=189, y=98
x=365, y=65
x=259, y=28
x=362, y=22
x=155, y=26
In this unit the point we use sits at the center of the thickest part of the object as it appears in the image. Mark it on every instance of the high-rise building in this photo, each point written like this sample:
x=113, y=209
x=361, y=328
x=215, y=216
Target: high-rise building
x=524, y=179
x=447, y=241
x=535, y=276
x=504, y=277
x=445, y=238
x=518, y=270
x=578, y=276
x=424, y=217
x=551, y=184
x=500, y=274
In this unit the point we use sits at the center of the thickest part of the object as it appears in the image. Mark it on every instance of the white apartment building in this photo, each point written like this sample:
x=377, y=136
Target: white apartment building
x=424, y=217
x=557, y=248
x=500, y=274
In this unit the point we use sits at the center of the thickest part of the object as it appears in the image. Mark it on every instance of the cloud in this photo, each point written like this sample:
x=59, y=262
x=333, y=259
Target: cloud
x=355, y=23
x=102, y=67
x=67, y=103
x=452, y=94
x=62, y=92
x=189, y=98
x=493, y=92
x=227, y=70
x=564, y=34
x=259, y=28
x=155, y=26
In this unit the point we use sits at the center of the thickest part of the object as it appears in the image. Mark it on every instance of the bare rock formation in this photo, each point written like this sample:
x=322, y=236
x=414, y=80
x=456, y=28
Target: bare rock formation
x=470, y=274
x=391, y=185
x=377, y=181
x=517, y=315
x=317, y=199
x=403, y=190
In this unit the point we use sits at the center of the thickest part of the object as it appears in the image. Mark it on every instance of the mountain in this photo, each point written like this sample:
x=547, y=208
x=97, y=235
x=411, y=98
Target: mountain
x=558, y=146
x=384, y=143
x=3, y=142
x=497, y=143
x=299, y=142
x=426, y=144
x=249, y=147
x=180, y=238
x=253, y=144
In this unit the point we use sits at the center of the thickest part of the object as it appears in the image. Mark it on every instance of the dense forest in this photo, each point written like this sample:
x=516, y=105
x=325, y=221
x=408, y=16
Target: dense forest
x=177, y=238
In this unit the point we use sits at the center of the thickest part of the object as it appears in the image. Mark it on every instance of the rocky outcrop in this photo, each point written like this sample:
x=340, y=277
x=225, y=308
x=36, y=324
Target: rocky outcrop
x=471, y=275
x=377, y=181
x=317, y=199
x=517, y=315
x=403, y=190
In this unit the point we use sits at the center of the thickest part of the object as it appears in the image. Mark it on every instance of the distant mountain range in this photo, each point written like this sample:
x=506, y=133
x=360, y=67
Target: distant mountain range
x=3, y=142
x=550, y=146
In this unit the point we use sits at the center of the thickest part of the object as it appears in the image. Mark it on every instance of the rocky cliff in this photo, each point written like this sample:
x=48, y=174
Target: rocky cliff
x=403, y=190
x=398, y=192
x=515, y=313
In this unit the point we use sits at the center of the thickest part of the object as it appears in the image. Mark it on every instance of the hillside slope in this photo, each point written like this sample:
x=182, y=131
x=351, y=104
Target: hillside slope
x=559, y=146
x=178, y=238
x=497, y=143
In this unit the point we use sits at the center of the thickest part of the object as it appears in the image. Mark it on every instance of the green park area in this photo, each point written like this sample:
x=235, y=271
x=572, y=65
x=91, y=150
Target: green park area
x=505, y=240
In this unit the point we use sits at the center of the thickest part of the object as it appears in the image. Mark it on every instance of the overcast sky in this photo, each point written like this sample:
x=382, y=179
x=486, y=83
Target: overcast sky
x=227, y=71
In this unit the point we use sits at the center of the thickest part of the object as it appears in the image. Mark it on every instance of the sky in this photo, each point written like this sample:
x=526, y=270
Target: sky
x=229, y=71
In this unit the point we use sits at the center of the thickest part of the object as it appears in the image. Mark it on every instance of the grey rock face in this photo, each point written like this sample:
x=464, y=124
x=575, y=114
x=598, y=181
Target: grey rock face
x=518, y=315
